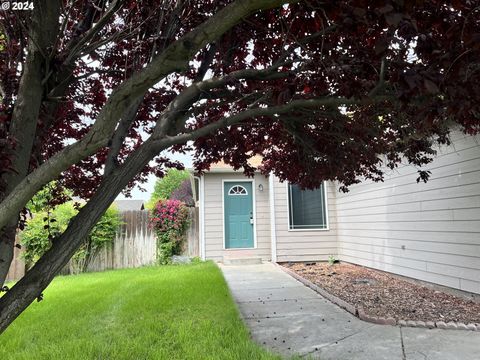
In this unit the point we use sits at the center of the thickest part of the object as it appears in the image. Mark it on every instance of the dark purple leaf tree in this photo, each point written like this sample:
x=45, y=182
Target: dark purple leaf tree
x=184, y=193
x=94, y=91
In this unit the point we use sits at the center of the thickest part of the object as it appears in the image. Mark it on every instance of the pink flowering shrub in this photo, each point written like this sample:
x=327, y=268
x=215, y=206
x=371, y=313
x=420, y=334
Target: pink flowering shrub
x=169, y=220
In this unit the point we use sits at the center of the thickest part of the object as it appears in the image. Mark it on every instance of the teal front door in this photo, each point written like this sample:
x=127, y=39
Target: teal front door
x=238, y=208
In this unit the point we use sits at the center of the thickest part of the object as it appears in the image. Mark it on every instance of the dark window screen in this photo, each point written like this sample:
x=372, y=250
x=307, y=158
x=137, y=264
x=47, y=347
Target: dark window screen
x=307, y=208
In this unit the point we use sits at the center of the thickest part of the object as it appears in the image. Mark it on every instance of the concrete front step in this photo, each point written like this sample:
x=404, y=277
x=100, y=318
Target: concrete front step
x=242, y=260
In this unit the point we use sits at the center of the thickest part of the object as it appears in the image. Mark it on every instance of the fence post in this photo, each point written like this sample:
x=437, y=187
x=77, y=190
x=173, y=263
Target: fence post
x=192, y=246
x=17, y=267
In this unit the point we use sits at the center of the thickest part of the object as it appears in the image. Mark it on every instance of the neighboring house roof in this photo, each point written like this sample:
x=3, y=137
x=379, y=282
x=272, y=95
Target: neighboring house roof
x=129, y=205
x=221, y=167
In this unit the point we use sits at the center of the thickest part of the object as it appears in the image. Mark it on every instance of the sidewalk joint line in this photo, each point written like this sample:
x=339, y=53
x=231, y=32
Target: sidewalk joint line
x=337, y=341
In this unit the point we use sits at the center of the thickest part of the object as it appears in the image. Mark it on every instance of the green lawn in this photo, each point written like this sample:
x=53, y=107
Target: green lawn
x=169, y=312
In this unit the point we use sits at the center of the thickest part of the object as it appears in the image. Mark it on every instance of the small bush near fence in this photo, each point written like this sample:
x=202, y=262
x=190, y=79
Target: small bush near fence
x=170, y=221
x=44, y=227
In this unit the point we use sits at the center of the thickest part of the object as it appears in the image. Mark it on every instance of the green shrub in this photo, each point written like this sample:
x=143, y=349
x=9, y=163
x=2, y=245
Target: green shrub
x=165, y=186
x=40, y=231
x=51, y=195
x=102, y=235
x=169, y=220
x=45, y=226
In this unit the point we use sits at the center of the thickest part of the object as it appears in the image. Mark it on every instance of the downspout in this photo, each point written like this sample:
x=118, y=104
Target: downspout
x=273, y=231
x=201, y=217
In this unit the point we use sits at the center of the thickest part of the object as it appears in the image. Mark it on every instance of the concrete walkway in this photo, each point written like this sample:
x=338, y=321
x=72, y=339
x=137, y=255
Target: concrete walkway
x=289, y=318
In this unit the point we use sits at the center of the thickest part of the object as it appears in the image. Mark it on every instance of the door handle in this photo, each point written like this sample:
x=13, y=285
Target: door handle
x=251, y=218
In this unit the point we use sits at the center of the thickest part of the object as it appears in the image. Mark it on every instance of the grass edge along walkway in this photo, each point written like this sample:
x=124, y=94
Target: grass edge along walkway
x=165, y=312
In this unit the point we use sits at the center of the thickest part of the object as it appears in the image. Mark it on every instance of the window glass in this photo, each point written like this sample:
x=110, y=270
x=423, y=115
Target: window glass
x=307, y=208
x=237, y=190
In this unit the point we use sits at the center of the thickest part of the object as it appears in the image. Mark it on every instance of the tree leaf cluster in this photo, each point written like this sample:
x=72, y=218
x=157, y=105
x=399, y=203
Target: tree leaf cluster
x=107, y=88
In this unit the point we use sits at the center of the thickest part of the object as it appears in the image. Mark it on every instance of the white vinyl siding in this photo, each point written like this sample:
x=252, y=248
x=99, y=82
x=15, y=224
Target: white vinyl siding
x=426, y=231
x=213, y=223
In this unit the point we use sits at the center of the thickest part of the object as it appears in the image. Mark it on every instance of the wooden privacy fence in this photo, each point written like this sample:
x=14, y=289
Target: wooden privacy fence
x=135, y=245
x=17, y=267
x=192, y=246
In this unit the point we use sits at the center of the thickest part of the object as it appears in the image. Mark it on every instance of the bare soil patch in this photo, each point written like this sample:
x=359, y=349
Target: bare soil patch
x=385, y=295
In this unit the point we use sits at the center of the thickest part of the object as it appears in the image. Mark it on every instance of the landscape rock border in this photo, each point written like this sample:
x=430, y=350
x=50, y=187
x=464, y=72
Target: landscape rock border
x=359, y=312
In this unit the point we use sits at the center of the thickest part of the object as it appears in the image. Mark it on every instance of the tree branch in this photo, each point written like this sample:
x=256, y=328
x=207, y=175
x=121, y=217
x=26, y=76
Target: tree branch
x=263, y=111
x=381, y=80
x=42, y=273
x=25, y=114
x=175, y=58
x=206, y=62
x=182, y=103
x=119, y=136
x=121, y=132
x=90, y=34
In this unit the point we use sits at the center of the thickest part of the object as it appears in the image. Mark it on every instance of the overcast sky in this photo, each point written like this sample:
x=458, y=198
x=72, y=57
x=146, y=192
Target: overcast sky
x=186, y=159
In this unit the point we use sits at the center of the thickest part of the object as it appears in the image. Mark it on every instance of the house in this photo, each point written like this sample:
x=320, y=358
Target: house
x=428, y=231
x=129, y=205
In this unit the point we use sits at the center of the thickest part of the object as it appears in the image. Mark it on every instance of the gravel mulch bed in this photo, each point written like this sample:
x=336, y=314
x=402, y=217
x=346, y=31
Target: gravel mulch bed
x=384, y=295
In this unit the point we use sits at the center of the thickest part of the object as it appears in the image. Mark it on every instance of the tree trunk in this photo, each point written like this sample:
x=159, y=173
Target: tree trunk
x=7, y=243
x=25, y=115
x=175, y=58
x=42, y=273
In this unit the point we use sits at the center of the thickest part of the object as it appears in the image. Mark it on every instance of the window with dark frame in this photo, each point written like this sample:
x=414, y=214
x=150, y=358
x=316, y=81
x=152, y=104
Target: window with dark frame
x=307, y=208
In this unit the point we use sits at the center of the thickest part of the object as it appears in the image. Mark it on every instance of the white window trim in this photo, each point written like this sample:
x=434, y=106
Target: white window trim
x=254, y=213
x=201, y=218
x=273, y=230
x=327, y=228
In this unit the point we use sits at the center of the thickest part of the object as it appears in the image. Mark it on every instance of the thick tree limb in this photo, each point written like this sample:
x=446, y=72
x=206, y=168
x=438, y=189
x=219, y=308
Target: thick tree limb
x=263, y=111
x=119, y=136
x=7, y=239
x=38, y=278
x=46, y=268
x=174, y=58
x=27, y=107
x=25, y=114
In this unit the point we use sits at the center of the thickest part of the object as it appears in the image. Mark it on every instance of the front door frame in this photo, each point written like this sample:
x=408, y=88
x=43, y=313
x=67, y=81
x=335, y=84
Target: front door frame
x=254, y=212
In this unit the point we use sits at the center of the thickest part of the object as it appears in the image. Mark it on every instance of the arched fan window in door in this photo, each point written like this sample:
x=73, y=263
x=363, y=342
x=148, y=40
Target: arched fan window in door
x=237, y=190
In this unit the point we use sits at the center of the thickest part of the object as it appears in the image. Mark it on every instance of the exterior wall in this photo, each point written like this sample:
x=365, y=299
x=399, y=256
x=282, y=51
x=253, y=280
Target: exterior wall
x=426, y=231
x=303, y=245
x=213, y=218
